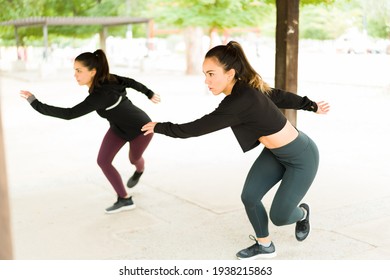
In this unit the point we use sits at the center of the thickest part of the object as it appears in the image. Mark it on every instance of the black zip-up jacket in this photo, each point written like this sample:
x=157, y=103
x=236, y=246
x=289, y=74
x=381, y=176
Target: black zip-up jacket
x=250, y=114
x=124, y=117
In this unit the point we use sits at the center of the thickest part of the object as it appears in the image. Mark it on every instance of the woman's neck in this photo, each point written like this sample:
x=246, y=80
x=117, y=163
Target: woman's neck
x=229, y=87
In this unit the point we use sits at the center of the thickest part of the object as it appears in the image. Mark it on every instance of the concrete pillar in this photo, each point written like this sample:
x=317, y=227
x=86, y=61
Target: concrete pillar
x=5, y=220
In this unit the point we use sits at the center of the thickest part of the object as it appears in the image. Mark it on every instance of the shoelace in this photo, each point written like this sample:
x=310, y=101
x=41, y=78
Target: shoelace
x=257, y=247
x=251, y=237
x=254, y=246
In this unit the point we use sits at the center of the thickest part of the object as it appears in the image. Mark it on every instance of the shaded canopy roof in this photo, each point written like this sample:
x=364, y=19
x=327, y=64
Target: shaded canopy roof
x=45, y=22
x=105, y=21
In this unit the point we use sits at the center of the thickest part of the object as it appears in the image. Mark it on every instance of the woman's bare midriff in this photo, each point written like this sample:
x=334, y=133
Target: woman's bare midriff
x=280, y=138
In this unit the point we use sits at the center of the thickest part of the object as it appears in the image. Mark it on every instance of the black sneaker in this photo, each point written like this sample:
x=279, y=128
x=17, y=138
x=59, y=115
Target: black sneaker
x=302, y=228
x=134, y=179
x=122, y=204
x=256, y=251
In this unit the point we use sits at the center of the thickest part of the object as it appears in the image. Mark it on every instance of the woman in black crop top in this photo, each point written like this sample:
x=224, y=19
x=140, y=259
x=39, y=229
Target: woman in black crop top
x=250, y=109
x=107, y=96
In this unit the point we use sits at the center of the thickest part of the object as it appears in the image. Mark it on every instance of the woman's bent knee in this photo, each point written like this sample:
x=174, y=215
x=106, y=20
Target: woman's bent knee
x=278, y=219
x=248, y=200
x=103, y=163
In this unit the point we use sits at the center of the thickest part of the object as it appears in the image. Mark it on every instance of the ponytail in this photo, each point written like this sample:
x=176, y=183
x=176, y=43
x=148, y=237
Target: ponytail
x=232, y=56
x=98, y=61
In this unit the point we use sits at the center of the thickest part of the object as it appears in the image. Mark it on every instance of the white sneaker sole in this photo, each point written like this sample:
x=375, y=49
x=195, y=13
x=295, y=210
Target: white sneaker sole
x=124, y=208
x=260, y=256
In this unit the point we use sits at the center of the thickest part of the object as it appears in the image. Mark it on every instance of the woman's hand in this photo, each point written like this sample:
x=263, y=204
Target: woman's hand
x=323, y=107
x=155, y=98
x=148, y=128
x=25, y=94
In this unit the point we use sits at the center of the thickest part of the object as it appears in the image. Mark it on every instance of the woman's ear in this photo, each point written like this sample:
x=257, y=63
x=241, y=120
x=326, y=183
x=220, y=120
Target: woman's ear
x=231, y=73
x=93, y=72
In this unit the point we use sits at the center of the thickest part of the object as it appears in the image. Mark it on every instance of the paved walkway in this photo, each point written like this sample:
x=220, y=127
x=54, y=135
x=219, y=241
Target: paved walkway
x=188, y=201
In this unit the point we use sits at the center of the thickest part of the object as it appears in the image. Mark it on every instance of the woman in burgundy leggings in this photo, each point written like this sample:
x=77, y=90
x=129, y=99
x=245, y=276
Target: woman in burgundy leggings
x=107, y=96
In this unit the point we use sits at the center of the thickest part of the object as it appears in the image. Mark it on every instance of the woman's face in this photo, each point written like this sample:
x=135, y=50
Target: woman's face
x=217, y=79
x=83, y=76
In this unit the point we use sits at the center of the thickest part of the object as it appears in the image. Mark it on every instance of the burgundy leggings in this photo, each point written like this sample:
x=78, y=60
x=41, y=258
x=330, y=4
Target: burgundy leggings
x=111, y=145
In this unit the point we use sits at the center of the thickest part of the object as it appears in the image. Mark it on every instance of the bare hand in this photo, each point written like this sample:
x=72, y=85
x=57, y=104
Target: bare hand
x=156, y=98
x=25, y=94
x=148, y=128
x=323, y=107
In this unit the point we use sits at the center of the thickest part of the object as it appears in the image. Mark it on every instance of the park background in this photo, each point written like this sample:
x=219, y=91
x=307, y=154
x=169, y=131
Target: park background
x=57, y=194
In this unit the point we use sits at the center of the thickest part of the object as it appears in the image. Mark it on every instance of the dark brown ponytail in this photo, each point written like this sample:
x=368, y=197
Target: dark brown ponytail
x=98, y=61
x=232, y=56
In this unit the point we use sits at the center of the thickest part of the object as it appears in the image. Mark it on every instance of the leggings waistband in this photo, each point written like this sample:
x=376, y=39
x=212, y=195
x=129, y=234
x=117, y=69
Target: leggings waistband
x=295, y=147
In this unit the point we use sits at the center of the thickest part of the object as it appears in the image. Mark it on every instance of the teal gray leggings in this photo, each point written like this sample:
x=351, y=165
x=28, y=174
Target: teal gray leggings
x=295, y=165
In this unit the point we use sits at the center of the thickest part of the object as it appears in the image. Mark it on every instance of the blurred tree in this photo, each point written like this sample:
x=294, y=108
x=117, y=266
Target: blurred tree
x=18, y=9
x=375, y=18
x=331, y=21
x=212, y=15
x=321, y=22
x=318, y=21
x=195, y=16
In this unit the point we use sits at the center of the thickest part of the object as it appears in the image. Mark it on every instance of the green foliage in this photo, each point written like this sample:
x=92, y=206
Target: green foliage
x=330, y=21
x=319, y=19
x=19, y=9
x=376, y=28
x=316, y=2
x=376, y=18
x=321, y=22
x=223, y=14
x=306, y=2
x=209, y=13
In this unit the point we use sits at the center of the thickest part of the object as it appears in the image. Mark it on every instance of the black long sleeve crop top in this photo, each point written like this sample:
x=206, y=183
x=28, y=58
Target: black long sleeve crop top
x=250, y=114
x=124, y=117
